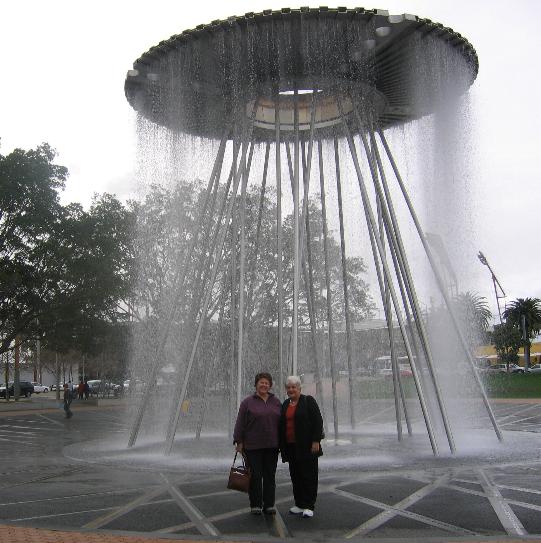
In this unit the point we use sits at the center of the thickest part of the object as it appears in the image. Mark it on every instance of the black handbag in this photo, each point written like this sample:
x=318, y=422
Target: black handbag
x=239, y=476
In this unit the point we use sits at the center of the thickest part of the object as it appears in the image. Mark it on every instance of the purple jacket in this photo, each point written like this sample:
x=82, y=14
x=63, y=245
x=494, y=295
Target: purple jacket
x=257, y=422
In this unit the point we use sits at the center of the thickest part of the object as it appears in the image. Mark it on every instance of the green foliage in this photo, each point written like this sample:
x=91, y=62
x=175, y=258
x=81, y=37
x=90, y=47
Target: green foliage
x=507, y=342
x=503, y=385
x=527, y=311
x=165, y=223
x=63, y=270
x=473, y=314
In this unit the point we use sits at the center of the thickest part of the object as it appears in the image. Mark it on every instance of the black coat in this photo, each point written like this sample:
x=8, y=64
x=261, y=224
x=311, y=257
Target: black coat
x=308, y=427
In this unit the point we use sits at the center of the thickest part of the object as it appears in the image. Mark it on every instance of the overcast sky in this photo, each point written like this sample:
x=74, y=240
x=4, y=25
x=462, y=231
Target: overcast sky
x=64, y=63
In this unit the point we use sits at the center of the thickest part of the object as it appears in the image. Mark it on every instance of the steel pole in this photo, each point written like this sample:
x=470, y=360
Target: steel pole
x=296, y=260
x=279, y=277
x=330, y=321
x=345, y=284
x=371, y=225
x=391, y=227
x=242, y=216
x=217, y=262
x=441, y=286
x=179, y=279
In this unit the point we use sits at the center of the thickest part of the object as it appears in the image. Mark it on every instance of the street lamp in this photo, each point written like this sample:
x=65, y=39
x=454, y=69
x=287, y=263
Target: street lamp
x=495, y=282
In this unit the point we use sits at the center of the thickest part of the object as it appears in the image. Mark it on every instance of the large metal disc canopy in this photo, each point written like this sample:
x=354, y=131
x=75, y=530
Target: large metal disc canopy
x=392, y=66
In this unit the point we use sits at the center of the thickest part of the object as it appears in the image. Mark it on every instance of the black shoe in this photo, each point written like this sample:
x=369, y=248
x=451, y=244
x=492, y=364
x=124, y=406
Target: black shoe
x=255, y=510
x=269, y=510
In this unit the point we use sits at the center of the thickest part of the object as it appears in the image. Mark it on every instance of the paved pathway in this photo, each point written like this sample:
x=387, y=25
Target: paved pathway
x=43, y=493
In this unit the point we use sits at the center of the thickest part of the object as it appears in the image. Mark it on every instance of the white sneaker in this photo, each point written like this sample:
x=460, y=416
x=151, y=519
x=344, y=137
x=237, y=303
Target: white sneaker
x=296, y=510
x=307, y=513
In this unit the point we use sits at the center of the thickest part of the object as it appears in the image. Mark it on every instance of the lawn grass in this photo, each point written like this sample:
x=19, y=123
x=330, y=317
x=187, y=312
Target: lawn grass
x=498, y=385
x=514, y=385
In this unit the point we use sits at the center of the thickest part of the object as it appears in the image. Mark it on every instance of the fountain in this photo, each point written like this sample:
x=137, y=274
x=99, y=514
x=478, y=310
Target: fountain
x=294, y=107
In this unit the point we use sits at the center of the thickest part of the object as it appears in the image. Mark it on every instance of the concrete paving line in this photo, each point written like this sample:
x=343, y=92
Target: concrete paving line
x=518, y=488
x=120, y=511
x=10, y=440
x=465, y=490
x=526, y=505
x=507, y=517
x=75, y=496
x=375, y=415
x=520, y=420
x=44, y=478
x=390, y=511
x=280, y=526
x=55, y=515
x=215, y=518
x=199, y=520
x=519, y=412
x=24, y=426
x=19, y=432
x=51, y=420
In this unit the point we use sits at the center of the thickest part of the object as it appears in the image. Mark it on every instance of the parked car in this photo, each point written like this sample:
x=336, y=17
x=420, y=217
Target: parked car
x=404, y=370
x=502, y=368
x=535, y=369
x=38, y=387
x=26, y=389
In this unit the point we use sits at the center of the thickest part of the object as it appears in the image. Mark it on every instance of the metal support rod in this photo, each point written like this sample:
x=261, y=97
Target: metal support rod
x=255, y=256
x=371, y=223
x=232, y=309
x=386, y=299
x=306, y=237
x=345, y=284
x=393, y=233
x=179, y=400
x=330, y=321
x=296, y=261
x=441, y=286
x=214, y=358
x=381, y=287
x=385, y=296
x=178, y=282
x=242, y=216
x=308, y=275
x=279, y=276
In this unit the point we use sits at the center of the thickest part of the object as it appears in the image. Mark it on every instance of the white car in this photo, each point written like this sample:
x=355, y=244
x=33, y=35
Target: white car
x=535, y=369
x=38, y=387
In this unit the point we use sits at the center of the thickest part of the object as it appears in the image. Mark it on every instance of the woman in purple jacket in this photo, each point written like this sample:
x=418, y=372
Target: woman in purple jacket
x=256, y=436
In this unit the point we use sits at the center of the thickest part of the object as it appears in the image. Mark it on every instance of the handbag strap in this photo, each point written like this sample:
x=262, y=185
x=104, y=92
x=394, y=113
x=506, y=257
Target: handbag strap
x=243, y=459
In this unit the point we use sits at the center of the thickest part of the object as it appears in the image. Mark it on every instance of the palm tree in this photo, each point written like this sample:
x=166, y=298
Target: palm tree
x=525, y=314
x=475, y=314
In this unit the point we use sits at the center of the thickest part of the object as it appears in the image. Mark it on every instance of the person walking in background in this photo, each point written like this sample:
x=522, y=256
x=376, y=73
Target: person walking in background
x=301, y=432
x=68, y=397
x=81, y=389
x=87, y=389
x=256, y=436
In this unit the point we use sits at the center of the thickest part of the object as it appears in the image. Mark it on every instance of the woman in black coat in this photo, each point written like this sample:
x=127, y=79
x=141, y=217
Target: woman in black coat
x=301, y=432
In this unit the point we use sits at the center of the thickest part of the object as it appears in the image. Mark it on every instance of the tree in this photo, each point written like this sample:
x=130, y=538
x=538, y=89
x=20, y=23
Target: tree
x=165, y=222
x=474, y=318
x=474, y=313
x=29, y=215
x=507, y=341
x=525, y=315
x=63, y=270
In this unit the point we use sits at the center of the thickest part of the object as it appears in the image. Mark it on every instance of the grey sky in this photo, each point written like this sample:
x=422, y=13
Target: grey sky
x=64, y=64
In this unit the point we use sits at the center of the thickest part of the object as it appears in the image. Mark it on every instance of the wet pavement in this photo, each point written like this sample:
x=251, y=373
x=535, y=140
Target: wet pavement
x=42, y=488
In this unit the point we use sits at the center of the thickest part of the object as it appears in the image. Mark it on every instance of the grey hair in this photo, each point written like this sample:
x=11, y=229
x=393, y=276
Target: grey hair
x=294, y=380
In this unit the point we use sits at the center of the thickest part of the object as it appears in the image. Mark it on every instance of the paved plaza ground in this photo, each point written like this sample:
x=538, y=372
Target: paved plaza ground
x=46, y=495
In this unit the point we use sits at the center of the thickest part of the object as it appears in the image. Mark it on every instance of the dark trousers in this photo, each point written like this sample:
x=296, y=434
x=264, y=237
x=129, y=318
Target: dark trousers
x=262, y=462
x=304, y=478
